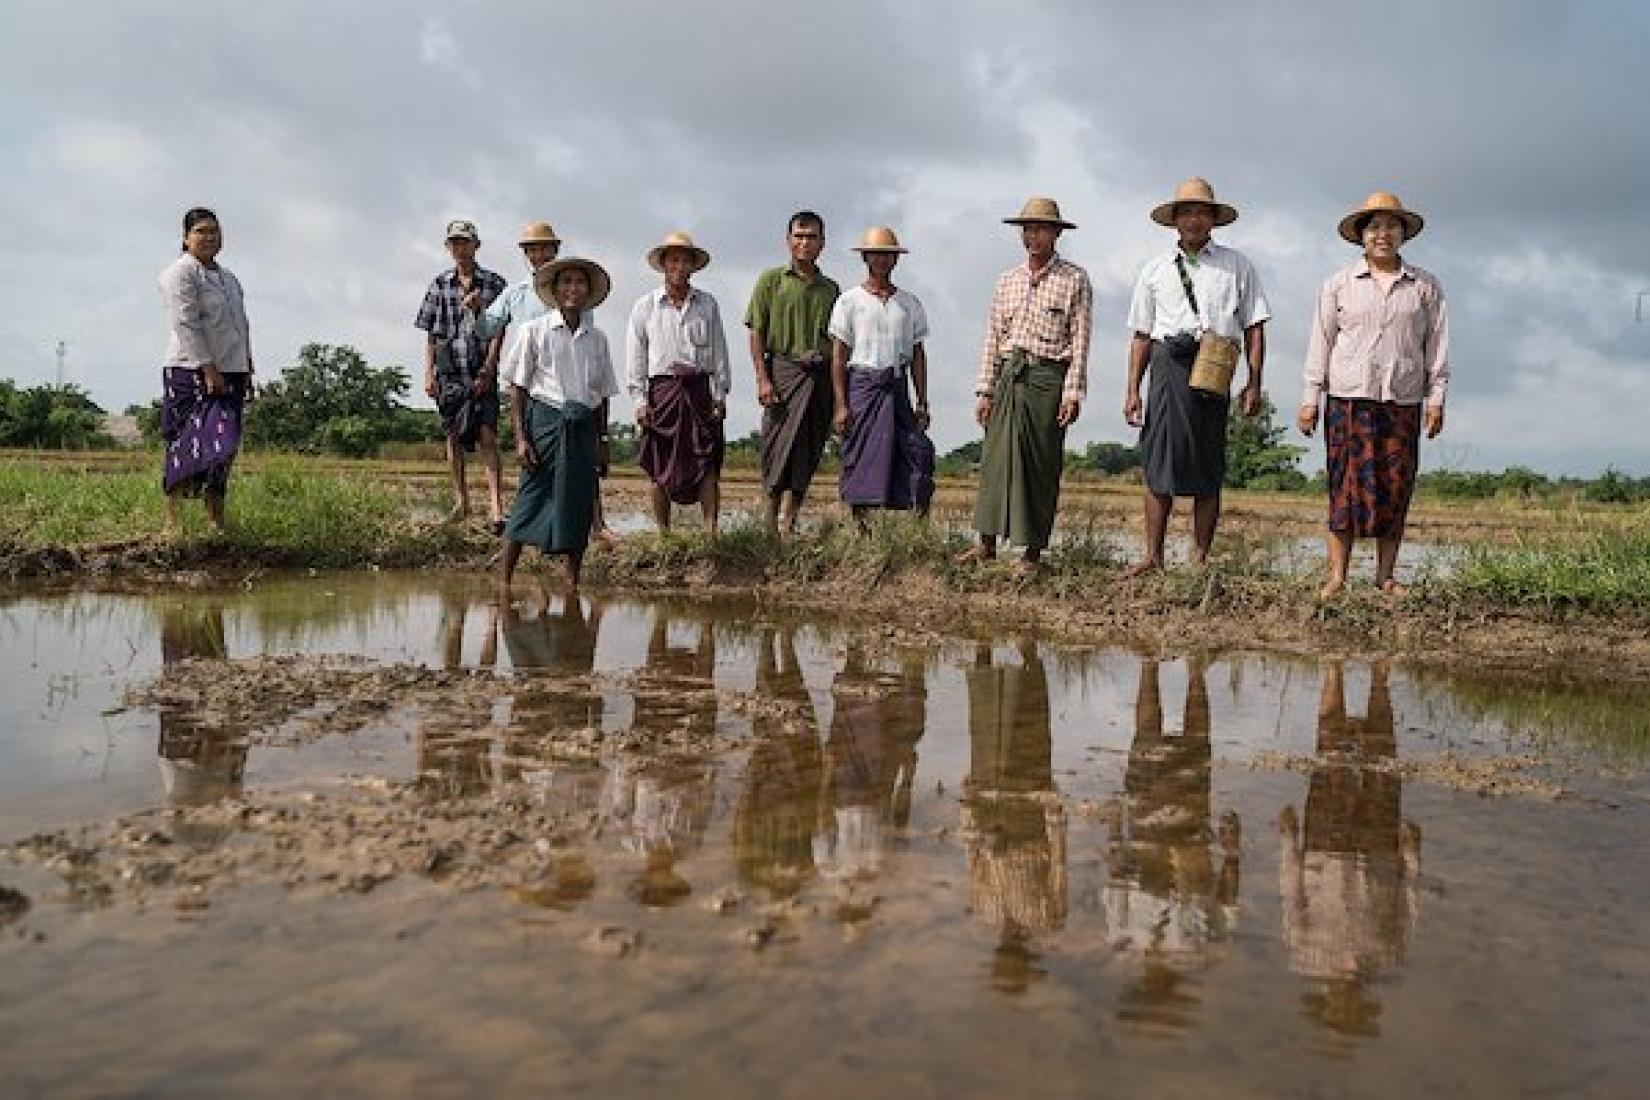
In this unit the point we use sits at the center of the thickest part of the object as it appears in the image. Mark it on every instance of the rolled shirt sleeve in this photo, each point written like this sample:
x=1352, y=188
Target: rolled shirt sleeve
x=604, y=383
x=496, y=317
x=1082, y=327
x=1142, y=306
x=991, y=352
x=1320, y=344
x=837, y=328
x=1253, y=309
x=521, y=361
x=721, y=370
x=919, y=322
x=1437, y=350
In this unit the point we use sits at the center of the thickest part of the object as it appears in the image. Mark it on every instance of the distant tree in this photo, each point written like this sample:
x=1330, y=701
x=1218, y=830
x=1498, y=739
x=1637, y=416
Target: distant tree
x=1256, y=455
x=330, y=401
x=1109, y=458
x=148, y=420
x=961, y=460
x=50, y=417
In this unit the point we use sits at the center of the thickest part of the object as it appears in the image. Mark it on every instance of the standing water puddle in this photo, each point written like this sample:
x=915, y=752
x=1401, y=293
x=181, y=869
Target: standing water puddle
x=377, y=835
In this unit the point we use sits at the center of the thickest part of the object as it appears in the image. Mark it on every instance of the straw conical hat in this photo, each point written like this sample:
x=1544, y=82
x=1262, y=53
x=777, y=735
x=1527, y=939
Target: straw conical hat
x=1040, y=211
x=538, y=233
x=544, y=281
x=1196, y=189
x=879, y=238
x=676, y=239
x=1380, y=202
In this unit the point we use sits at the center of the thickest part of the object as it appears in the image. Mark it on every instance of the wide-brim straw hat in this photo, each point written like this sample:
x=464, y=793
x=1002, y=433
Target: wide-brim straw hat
x=544, y=281
x=1040, y=211
x=1196, y=189
x=678, y=239
x=1380, y=202
x=538, y=233
x=879, y=238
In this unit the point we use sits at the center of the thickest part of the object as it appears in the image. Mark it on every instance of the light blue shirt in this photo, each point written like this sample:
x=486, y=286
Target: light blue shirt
x=518, y=304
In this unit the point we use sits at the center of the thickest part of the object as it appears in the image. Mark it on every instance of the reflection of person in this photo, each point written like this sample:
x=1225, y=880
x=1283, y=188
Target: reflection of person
x=789, y=311
x=1348, y=883
x=1033, y=377
x=773, y=824
x=676, y=367
x=561, y=378
x=870, y=763
x=455, y=610
x=1379, y=349
x=877, y=359
x=208, y=372
x=458, y=374
x=1013, y=822
x=553, y=655
x=1199, y=291
x=200, y=762
x=1166, y=903
x=662, y=801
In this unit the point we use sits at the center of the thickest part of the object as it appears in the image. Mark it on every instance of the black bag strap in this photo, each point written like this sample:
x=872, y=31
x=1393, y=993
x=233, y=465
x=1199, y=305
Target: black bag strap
x=1186, y=285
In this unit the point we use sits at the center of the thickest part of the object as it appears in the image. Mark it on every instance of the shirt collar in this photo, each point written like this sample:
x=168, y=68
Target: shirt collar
x=1204, y=253
x=664, y=296
x=1362, y=270
x=586, y=320
x=1054, y=261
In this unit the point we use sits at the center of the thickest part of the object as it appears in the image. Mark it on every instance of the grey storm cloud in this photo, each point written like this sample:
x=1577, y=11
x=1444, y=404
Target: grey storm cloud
x=335, y=139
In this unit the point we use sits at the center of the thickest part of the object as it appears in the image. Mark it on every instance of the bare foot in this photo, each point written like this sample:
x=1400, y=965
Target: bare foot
x=974, y=555
x=1027, y=567
x=1392, y=588
x=1140, y=569
x=607, y=536
x=1331, y=588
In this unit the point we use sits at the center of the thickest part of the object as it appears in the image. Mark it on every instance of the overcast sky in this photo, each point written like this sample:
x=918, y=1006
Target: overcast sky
x=335, y=139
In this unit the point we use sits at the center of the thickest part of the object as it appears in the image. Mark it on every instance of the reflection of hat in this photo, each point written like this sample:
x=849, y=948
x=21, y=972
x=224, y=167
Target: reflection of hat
x=544, y=280
x=1040, y=211
x=1196, y=189
x=879, y=238
x=538, y=233
x=459, y=229
x=1380, y=202
x=676, y=239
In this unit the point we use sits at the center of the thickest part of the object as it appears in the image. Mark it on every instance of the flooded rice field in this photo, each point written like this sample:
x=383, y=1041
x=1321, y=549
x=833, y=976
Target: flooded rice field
x=384, y=835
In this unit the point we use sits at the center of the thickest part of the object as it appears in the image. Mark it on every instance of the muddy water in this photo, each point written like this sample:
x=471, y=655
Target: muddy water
x=718, y=851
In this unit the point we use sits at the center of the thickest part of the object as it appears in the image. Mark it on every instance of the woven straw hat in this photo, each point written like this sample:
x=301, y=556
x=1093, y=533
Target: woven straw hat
x=544, y=281
x=879, y=238
x=538, y=233
x=1196, y=189
x=1040, y=211
x=1380, y=202
x=676, y=239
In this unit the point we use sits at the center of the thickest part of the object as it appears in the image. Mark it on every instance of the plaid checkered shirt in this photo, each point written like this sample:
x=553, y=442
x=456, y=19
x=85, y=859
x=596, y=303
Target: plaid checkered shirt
x=444, y=317
x=1049, y=315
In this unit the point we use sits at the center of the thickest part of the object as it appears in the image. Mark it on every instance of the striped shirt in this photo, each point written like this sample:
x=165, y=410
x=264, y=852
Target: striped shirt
x=1049, y=314
x=1379, y=344
x=453, y=328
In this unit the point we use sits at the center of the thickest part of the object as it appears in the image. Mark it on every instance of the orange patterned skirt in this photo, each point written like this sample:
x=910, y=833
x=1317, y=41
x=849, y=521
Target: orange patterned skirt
x=1374, y=451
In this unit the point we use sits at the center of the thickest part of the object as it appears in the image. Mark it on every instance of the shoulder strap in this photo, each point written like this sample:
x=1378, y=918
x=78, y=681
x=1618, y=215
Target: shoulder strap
x=1186, y=285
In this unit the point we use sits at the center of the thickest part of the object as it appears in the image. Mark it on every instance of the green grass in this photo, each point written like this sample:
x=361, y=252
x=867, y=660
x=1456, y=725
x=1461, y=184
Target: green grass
x=1606, y=569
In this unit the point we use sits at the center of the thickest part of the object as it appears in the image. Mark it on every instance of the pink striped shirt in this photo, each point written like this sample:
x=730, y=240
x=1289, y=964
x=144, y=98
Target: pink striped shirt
x=1049, y=315
x=1387, y=344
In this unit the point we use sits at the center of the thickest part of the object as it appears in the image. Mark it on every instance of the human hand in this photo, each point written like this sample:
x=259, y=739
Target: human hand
x=982, y=410
x=764, y=392
x=525, y=454
x=922, y=417
x=1133, y=414
x=843, y=420
x=1068, y=413
x=719, y=409
x=483, y=383
x=1249, y=403
x=1307, y=419
x=644, y=416
x=1434, y=420
x=429, y=386
x=472, y=301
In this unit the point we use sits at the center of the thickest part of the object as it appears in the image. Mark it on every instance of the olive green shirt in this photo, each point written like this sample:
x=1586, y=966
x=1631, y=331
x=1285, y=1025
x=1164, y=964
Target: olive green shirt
x=791, y=313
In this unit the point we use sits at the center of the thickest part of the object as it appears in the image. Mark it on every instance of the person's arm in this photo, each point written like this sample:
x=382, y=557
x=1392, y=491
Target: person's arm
x=1437, y=363
x=1254, y=349
x=426, y=320
x=721, y=374
x=1077, y=374
x=839, y=384
x=919, y=382
x=756, y=320
x=1140, y=353
x=604, y=441
x=986, y=380
x=635, y=359
x=1320, y=348
x=518, y=421
x=182, y=288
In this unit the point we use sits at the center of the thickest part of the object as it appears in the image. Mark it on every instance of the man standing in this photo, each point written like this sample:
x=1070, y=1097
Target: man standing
x=1033, y=377
x=1200, y=293
x=877, y=332
x=676, y=368
x=788, y=314
x=456, y=371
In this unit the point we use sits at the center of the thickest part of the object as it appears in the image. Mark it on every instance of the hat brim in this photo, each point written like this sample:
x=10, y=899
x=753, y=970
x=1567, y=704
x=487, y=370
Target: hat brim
x=545, y=280
x=472, y=238
x=870, y=249
x=656, y=256
x=539, y=240
x=1018, y=220
x=1164, y=213
x=1413, y=224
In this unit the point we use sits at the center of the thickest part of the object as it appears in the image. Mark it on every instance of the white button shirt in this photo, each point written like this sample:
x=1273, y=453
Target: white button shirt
x=208, y=317
x=1229, y=295
x=661, y=336
x=878, y=333
x=556, y=366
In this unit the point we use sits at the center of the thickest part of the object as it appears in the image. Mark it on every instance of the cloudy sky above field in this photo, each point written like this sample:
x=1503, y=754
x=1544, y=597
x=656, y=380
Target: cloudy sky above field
x=335, y=140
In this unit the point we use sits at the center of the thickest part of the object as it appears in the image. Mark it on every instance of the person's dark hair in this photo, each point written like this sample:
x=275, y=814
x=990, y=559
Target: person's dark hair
x=805, y=217
x=194, y=217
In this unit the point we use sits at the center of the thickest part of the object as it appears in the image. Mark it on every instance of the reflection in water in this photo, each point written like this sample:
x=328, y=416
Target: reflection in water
x=773, y=825
x=1013, y=822
x=199, y=763
x=553, y=653
x=870, y=763
x=455, y=752
x=662, y=803
x=1167, y=906
x=1348, y=883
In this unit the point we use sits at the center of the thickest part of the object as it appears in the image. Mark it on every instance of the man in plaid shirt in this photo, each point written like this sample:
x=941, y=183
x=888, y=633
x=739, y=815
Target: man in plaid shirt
x=1033, y=377
x=456, y=373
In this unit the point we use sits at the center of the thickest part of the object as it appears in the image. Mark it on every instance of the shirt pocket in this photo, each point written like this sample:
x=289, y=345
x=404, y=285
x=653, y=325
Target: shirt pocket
x=697, y=331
